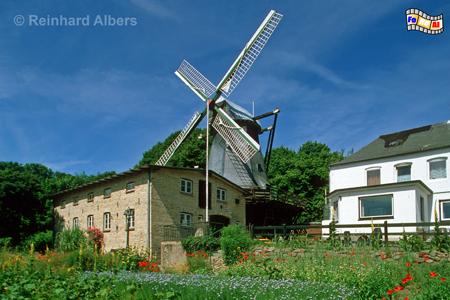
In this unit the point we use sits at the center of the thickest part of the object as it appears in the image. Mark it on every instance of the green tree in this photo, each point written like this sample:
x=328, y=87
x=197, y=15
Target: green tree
x=190, y=154
x=26, y=191
x=301, y=177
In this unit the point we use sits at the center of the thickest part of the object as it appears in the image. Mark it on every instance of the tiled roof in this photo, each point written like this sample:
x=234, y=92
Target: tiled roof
x=404, y=142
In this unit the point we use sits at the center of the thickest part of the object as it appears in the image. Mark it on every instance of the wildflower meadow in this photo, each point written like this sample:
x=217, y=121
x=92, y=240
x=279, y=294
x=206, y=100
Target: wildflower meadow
x=230, y=266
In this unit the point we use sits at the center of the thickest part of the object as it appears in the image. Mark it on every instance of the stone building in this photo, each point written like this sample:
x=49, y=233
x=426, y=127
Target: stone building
x=159, y=199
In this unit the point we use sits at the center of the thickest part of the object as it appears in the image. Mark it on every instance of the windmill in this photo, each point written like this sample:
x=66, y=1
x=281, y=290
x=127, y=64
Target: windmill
x=235, y=149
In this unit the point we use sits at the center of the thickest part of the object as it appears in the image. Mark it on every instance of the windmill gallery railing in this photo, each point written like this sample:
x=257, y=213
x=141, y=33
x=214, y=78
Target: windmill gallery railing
x=385, y=229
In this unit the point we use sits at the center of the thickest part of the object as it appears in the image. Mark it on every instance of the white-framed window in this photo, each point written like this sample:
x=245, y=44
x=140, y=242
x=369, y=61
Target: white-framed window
x=403, y=172
x=75, y=223
x=90, y=197
x=186, y=186
x=221, y=194
x=90, y=221
x=106, y=221
x=185, y=219
x=130, y=219
x=107, y=192
x=373, y=176
x=445, y=209
x=380, y=206
x=129, y=187
x=438, y=167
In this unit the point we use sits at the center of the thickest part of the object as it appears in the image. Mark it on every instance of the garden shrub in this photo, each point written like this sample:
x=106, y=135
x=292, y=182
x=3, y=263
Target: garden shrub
x=129, y=258
x=5, y=242
x=207, y=243
x=95, y=236
x=411, y=243
x=40, y=240
x=70, y=239
x=440, y=240
x=233, y=241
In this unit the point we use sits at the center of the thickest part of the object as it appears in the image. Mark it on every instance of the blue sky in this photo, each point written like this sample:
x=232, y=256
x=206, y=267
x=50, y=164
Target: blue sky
x=93, y=98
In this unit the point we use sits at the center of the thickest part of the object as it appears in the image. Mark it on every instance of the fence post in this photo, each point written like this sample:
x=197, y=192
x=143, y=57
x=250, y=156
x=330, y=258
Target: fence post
x=386, y=239
x=284, y=230
x=252, y=233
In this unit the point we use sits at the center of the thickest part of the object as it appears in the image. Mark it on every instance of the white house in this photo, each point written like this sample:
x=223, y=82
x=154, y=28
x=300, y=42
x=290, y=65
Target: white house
x=402, y=177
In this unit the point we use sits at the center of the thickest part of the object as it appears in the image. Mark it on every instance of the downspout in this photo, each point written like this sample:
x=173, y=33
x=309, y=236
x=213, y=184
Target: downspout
x=149, y=211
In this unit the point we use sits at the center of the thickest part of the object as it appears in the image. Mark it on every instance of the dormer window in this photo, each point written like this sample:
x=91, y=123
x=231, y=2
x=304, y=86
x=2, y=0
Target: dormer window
x=403, y=172
x=373, y=176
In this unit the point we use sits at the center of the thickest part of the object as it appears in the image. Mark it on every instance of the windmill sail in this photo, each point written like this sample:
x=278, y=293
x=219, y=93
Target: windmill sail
x=249, y=54
x=198, y=83
x=190, y=126
x=235, y=136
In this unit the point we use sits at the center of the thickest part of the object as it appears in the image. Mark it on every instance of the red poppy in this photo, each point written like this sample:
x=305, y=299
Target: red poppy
x=408, y=264
x=390, y=292
x=443, y=279
x=433, y=274
x=153, y=267
x=398, y=288
x=407, y=278
x=406, y=298
x=143, y=264
x=384, y=298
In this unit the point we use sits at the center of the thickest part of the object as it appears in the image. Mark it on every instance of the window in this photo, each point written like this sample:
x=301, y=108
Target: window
x=422, y=208
x=376, y=206
x=221, y=194
x=75, y=223
x=445, y=209
x=90, y=221
x=106, y=221
x=438, y=168
x=236, y=201
x=185, y=219
x=130, y=187
x=186, y=186
x=373, y=177
x=403, y=173
x=107, y=193
x=90, y=197
x=130, y=219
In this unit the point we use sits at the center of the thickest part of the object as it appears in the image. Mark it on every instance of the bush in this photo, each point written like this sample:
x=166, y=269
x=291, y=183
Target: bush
x=205, y=243
x=411, y=243
x=95, y=236
x=70, y=239
x=41, y=241
x=233, y=242
x=129, y=258
x=5, y=242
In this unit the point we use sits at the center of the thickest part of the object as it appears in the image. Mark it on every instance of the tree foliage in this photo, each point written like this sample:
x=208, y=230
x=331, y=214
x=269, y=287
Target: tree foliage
x=301, y=177
x=26, y=191
x=190, y=154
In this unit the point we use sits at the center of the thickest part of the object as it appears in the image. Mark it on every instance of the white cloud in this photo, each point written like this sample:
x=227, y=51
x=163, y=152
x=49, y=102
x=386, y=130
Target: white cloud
x=154, y=8
x=65, y=165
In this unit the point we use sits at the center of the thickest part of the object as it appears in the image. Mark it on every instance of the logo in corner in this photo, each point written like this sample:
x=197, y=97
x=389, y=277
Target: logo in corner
x=420, y=21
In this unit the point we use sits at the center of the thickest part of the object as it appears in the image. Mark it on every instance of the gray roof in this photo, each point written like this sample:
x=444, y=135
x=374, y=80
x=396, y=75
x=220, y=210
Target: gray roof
x=381, y=186
x=414, y=140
